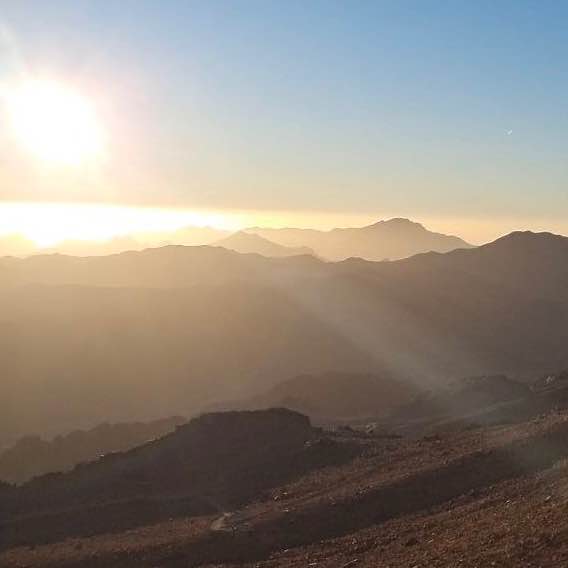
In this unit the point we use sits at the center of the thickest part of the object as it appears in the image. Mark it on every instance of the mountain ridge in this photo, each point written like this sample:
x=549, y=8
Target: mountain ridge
x=33, y=456
x=385, y=239
x=246, y=243
x=230, y=326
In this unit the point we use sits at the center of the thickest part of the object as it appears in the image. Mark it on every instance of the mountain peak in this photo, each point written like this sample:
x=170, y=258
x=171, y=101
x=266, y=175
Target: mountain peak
x=528, y=240
x=386, y=239
x=396, y=222
x=247, y=243
x=244, y=237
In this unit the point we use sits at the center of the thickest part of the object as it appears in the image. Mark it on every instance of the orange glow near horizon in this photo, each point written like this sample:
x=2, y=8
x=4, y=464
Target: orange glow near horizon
x=47, y=225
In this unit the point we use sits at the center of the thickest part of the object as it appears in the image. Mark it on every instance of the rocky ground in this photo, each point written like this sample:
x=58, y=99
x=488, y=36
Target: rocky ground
x=475, y=497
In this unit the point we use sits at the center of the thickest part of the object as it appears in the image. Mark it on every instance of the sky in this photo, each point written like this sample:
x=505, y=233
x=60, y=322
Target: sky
x=323, y=113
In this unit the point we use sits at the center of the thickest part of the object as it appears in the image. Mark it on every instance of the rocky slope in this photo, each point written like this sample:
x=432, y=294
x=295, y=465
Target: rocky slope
x=469, y=497
x=212, y=464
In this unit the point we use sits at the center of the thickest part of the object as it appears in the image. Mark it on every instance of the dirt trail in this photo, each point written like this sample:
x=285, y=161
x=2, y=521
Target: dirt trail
x=223, y=523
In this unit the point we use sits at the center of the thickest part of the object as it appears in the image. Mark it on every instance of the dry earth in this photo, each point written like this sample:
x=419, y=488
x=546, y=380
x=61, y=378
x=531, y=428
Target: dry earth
x=481, y=497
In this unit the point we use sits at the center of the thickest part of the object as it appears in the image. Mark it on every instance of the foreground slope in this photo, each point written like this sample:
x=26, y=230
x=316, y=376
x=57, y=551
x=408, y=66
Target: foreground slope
x=467, y=497
x=214, y=463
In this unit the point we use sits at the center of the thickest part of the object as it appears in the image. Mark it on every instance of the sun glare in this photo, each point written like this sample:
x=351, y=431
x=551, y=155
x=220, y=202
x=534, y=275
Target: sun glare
x=48, y=224
x=55, y=123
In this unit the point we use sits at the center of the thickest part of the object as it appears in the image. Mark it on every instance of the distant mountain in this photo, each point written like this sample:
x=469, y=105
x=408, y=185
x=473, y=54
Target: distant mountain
x=139, y=335
x=169, y=331
x=163, y=267
x=251, y=243
x=501, y=308
x=463, y=398
x=331, y=397
x=384, y=240
x=94, y=248
x=215, y=463
x=187, y=236
x=397, y=238
x=33, y=456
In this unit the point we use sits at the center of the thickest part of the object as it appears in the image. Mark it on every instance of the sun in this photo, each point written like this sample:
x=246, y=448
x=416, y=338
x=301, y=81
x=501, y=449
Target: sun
x=55, y=123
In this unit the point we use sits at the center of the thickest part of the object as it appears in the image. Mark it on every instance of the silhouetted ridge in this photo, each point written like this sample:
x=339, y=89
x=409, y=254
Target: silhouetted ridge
x=170, y=266
x=214, y=463
x=502, y=254
x=529, y=241
x=32, y=456
x=334, y=396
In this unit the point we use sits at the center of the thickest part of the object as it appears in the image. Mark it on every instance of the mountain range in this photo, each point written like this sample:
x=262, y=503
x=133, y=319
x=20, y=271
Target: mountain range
x=389, y=239
x=405, y=455
x=385, y=240
x=140, y=335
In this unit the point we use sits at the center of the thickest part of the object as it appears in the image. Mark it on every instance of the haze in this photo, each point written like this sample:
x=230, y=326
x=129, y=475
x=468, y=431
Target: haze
x=283, y=283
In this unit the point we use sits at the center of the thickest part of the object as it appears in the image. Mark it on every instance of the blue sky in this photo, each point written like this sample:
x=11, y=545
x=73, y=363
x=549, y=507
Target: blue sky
x=429, y=109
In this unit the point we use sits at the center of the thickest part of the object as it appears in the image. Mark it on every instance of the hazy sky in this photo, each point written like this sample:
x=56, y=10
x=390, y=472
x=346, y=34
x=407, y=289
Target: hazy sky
x=451, y=110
